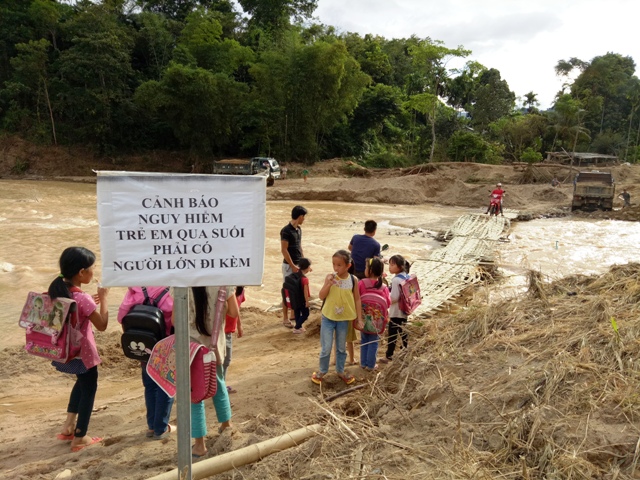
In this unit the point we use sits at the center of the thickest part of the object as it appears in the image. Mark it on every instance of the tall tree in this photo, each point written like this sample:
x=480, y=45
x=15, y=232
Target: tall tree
x=369, y=53
x=45, y=16
x=202, y=108
x=202, y=37
x=568, y=117
x=154, y=44
x=430, y=58
x=180, y=9
x=519, y=132
x=274, y=15
x=461, y=88
x=28, y=88
x=301, y=94
x=493, y=99
x=633, y=96
x=95, y=93
x=400, y=59
x=602, y=87
x=565, y=67
x=531, y=101
x=15, y=28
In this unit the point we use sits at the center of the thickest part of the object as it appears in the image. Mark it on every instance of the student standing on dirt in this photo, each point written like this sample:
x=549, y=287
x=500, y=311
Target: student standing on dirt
x=341, y=306
x=363, y=247
x=158, y=403
x=296, y=296
x=291, y=248
x=369, y=340
x=202, y=308
x=397, y=318
x=76, y=269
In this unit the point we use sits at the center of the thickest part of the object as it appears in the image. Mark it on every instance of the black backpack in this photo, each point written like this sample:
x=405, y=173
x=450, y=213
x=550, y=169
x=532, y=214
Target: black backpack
x=143, y=327
x=293, y=285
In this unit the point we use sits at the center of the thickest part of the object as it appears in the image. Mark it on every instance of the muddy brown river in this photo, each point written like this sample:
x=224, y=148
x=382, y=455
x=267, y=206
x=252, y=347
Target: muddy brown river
x=38, y=219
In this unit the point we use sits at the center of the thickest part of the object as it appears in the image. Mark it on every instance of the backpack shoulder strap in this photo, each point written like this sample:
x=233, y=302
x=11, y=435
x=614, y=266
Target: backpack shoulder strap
x=218, y=318
x=147, y=300
x=73, y=311
x=156, y=301
x=354, y=279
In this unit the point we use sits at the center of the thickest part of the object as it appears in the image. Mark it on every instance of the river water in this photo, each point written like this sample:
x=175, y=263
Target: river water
x=39, y=219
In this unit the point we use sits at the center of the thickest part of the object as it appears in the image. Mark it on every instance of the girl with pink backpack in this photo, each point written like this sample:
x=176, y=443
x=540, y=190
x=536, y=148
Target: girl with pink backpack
x=376, y=301
x=157, y=402
x=202, y=311
x=76, y=269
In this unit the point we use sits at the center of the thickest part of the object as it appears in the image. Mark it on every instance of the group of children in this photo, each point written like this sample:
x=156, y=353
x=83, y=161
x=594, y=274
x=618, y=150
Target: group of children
x=76, y=269
x=340, y=294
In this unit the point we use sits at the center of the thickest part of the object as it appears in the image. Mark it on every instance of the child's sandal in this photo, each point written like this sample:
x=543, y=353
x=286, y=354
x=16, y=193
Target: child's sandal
x=317, y=378
x=347, y=378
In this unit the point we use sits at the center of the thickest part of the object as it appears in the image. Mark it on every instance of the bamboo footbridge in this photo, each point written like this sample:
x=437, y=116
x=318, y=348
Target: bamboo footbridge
x=451, y=269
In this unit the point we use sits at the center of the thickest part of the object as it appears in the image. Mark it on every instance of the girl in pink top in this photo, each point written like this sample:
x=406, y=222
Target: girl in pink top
x=373, y=271
x=76, y=268
x=158, y=403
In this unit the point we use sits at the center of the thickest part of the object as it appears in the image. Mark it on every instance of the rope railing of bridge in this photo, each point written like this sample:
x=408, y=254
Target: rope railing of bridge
x=451, y=269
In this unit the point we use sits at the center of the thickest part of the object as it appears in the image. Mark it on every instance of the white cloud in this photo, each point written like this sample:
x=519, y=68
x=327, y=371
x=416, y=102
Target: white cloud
x=523, y=40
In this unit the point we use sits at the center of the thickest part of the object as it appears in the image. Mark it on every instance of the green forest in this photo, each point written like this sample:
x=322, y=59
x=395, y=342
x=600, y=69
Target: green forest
x=200, y=76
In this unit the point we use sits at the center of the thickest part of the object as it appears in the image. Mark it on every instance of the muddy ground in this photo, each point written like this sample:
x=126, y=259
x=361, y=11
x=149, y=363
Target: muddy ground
x=541, y=387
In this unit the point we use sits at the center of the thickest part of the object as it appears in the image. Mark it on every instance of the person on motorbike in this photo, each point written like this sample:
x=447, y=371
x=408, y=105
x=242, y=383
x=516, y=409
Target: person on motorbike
x=496, y=199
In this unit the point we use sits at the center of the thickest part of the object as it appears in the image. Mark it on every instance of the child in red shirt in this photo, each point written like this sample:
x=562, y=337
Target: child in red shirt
x=231, y=326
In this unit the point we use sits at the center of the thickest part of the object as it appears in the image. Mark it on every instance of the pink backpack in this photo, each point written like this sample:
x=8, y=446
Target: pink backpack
x=162, y=369
x=52, y=327
x=410, y=297
x=203, y=361
x=375, y=311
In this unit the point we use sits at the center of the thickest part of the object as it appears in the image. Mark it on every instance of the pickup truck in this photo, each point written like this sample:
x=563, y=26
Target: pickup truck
x=253, y=166
x=269, y=163
x=592, y=190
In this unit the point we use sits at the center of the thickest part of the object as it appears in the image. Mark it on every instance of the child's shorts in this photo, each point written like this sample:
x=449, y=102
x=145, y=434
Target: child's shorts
x=285, y=297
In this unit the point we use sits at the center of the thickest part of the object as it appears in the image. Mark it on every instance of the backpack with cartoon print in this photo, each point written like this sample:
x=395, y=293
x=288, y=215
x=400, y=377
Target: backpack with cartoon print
x=143, y=327
x=375, y=310
x=52, y=327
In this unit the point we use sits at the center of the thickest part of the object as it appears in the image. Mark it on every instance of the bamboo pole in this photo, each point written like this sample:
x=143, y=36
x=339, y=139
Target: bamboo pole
x=238, y=458
x=344, y=392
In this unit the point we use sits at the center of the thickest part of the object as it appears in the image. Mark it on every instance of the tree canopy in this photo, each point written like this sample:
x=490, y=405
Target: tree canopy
x=203, y=75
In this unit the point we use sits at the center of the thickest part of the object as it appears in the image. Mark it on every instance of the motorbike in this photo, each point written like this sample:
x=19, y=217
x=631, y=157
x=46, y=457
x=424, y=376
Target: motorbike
x=495, y=205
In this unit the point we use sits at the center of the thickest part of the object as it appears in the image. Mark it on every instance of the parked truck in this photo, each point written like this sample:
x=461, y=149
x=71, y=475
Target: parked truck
x=593, y=190
x=253, y=166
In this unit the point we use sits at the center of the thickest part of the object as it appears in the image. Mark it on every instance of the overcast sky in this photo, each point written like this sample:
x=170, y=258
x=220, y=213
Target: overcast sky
x=522, y=39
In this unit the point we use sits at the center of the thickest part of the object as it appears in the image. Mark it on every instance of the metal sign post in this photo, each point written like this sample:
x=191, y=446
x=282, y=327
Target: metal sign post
x=183, y=380
x=185, y=231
